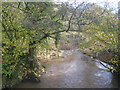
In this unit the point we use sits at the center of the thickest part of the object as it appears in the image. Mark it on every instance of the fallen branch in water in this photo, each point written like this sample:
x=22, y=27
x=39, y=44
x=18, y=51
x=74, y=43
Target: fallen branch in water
x=106, y=66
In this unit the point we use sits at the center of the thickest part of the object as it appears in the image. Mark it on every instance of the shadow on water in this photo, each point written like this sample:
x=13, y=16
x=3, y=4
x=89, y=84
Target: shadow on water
x=76, y=71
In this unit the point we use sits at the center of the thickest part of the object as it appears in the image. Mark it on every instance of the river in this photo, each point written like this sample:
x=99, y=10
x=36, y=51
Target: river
x=75, y=71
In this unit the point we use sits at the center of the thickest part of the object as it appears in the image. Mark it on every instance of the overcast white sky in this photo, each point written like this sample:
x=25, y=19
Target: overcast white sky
x=94, y=1
x=112, y=3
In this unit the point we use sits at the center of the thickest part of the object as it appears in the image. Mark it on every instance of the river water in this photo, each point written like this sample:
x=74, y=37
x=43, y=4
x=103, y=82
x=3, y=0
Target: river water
x=76, y=71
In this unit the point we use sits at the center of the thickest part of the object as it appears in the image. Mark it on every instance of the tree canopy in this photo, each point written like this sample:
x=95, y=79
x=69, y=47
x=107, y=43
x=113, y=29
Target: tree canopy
x=29, y=25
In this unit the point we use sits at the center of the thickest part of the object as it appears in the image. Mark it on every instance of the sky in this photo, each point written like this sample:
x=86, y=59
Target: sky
x=112, y=3
x=94, y=1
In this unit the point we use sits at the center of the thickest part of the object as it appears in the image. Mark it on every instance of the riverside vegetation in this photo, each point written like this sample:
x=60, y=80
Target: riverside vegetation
x=29, y=28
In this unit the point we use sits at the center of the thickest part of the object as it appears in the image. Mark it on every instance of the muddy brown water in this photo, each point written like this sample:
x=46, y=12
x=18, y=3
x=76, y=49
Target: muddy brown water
x=76, y=71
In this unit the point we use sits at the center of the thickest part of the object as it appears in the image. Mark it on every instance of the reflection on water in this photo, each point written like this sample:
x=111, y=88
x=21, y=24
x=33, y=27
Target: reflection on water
x=80, y=72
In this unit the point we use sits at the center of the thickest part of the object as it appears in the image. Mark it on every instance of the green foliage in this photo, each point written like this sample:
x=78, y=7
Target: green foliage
x=102, y=34
x=97, y=25
x=28, y=26
x=25, y=26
